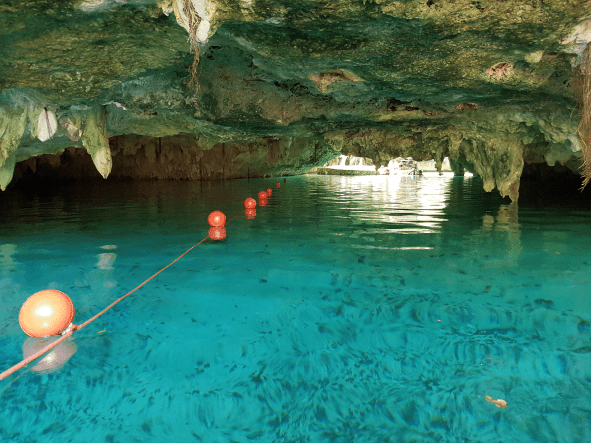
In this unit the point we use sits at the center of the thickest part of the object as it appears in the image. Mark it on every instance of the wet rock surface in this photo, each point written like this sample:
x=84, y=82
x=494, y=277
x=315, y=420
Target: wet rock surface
x=201, y=89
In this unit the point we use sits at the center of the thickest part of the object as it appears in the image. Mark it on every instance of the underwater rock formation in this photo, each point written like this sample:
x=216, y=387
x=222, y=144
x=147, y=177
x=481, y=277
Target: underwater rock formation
x=201, y=89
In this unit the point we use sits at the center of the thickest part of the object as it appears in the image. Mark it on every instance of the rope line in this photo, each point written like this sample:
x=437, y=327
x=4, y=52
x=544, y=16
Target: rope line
x=70, y=330
x=77, y=328
x=36, y=355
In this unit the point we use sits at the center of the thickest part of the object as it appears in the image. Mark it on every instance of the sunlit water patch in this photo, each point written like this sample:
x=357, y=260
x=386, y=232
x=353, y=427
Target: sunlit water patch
x=350, y=309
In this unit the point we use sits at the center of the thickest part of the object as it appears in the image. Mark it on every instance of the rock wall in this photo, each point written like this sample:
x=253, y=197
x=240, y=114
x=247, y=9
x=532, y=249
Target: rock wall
x=213, y=89
x=180, y=157
x=493, y=145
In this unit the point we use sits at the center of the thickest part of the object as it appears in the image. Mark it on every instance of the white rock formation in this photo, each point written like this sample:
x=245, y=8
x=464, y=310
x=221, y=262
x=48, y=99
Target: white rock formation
x=46, y=125
x=94, y=139
x=12, y=128
x=201, y=11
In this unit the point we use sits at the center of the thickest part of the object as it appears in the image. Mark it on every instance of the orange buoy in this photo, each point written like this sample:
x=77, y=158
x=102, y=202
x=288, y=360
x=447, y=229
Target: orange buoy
x=216, y=218
x=269, y=192
x=277, y=184
x=250, y=203
x=54, y=359
x=262, y=195
x=217, y=232
x=250, y=213
x=45, y=313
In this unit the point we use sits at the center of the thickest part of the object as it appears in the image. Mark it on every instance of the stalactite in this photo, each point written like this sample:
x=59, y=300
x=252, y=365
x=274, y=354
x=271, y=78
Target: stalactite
x=96, y=142
x=46, y=125
x=12, y=128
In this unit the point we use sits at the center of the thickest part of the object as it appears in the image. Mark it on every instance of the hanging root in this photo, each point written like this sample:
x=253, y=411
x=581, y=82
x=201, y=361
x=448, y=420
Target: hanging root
x=584, y=129
x=194, y=21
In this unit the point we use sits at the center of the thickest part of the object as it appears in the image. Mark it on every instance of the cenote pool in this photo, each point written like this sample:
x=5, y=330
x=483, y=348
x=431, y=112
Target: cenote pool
x=350, y=309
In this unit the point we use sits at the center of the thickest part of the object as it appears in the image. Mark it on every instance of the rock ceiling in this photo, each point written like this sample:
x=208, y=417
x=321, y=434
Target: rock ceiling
x=281, y=86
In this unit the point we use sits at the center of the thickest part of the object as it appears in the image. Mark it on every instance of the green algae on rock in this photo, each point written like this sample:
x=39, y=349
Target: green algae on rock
x=491, y=85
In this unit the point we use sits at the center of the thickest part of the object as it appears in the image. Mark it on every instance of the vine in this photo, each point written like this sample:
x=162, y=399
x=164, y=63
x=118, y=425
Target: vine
x=584, y=129
x=193, y=21
x=188, y=17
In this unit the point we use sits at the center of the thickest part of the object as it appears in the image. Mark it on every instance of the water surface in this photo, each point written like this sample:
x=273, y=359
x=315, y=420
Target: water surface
x=350, y=309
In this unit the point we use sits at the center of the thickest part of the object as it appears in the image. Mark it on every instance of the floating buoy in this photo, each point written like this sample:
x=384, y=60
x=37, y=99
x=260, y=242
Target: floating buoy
x=45, y=313
x=262, y=195
x=216, y=218
x=277, y=184
x=250, y=213
x=250, y=203
x=269, y=192
x=54, y=359
x=217, y=232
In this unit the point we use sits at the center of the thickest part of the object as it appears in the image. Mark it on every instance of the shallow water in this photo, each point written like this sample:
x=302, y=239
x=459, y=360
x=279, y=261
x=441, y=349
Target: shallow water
x=351, y=309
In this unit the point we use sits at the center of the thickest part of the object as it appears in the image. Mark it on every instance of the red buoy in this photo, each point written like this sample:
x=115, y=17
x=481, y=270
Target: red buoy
x=217, y=232
x=250, y=203
x=269, y=192
x=45, y=313
x=216, y=218
x=250, y=213
x=262, y=195
x=277, y=184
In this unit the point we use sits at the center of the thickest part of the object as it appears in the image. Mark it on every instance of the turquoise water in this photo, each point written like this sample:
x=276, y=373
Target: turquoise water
x=350, y=309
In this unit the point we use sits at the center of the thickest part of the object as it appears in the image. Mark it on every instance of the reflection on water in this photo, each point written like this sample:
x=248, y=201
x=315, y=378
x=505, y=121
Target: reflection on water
x=7, y=253
x=501, y=231
x=106, y=260
x=54, y=359
x=371, y=309
x=399, y=204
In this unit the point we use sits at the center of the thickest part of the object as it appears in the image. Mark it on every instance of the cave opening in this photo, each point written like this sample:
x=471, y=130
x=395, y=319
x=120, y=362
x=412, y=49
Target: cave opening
x=539, y=183
x=543, y=184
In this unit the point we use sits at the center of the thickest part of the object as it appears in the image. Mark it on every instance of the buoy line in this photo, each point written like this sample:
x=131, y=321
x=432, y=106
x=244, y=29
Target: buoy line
x=72, y=327
x=50, y=312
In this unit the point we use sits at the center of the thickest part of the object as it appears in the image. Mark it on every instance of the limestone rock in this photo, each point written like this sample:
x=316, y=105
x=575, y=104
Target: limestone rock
x=46, y=125
x=280, y=87
x=96, y=142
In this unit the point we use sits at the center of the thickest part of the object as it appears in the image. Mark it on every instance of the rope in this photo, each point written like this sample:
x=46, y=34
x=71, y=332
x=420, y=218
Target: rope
x=90, y=320
x=36, y=355
x=73, y=327
x=70, y=330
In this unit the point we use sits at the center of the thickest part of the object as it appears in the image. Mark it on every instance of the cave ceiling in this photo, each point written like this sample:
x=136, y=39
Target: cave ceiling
x=491, y=84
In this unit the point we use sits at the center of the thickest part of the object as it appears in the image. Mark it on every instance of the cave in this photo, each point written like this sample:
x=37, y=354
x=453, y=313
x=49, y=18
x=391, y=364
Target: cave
x=284, y=221
x=204, y=90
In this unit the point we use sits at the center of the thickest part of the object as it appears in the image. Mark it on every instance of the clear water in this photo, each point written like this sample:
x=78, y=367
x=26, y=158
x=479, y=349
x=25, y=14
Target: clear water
x=351, y=309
